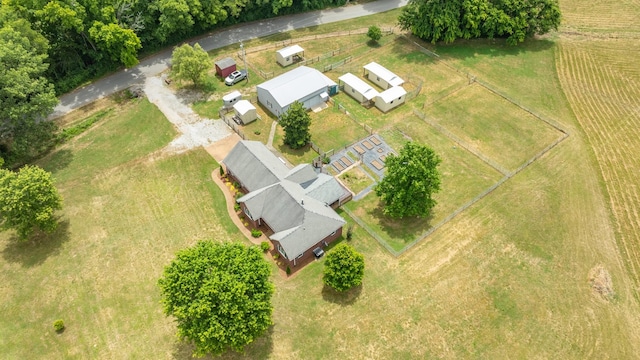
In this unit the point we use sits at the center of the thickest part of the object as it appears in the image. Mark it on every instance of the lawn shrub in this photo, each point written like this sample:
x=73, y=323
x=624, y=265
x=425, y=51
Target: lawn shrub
x=256, y=233
x=265, y=246
x=58, y=325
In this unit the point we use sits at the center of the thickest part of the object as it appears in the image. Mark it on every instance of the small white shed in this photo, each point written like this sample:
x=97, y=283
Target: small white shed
x=231, y=98
x=380, y=76
x=245, y=111
x=391, y=98
x=289, y=55
x=358, y=88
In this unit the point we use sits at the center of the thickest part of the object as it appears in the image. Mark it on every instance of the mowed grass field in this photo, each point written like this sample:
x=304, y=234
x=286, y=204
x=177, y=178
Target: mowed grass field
x=508, y=278
x=598, y=69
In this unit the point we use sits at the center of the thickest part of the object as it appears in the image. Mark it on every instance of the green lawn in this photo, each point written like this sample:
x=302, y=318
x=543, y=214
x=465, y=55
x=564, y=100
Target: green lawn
x=333, y=130
x=125, y=215
x=464, y=176
x=493, y=126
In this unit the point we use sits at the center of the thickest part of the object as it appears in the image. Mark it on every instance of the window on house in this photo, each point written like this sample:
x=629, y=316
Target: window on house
x=246, y=211
x=333, y=233
x=353, y=90
x=378, y=78
x=299, y=256
x=281, y=251
x=391, y=102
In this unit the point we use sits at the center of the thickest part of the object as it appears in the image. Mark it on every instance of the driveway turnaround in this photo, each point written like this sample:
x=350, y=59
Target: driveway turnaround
x=159, y=62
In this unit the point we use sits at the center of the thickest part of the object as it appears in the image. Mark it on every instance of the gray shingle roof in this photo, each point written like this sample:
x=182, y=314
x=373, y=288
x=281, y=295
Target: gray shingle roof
x=296, y=84
x=254, y=165
x=298, y=220
x=293, y=202
x=225, y=63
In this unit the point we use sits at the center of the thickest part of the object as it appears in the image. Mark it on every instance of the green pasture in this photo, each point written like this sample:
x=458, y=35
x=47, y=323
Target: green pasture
x=494, y=126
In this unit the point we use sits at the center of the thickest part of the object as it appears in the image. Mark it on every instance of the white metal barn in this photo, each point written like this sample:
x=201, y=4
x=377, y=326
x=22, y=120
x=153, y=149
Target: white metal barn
x=358, y=88
x=304, y=84
x=287, y=56
x=390, y=98
x=245, y=111
x=382, y=77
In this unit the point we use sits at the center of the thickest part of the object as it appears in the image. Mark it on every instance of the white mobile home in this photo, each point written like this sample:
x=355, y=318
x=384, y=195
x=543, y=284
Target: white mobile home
x=382, y=77
x=358, y=88
x=303, y=84
x=289, y=55
x=245, y=111
x=391, y=98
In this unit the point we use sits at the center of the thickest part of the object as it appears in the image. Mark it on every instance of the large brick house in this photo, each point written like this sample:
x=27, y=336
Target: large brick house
x=293, y=206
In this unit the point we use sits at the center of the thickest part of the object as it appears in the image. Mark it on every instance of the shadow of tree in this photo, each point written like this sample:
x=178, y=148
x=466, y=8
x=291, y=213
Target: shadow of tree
x=344, y=298
x=38, y=248
x=260, y=348
x=57, y=160
x=405, y=229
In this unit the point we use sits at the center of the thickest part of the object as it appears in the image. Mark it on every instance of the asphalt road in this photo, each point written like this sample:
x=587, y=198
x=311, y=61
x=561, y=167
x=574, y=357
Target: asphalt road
x=157, y=63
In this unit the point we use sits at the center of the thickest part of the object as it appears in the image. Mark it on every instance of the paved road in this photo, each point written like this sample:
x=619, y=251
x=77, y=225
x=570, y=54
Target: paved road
x=157, y=63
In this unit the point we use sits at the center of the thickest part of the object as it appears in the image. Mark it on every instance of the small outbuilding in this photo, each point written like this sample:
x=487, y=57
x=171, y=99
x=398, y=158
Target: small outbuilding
x=289, y=55
x=358, y=88
x=382, y=77
x=225, y=66
x=390, y=98
x=231, y=99
x=245, y=112
x=303, y=84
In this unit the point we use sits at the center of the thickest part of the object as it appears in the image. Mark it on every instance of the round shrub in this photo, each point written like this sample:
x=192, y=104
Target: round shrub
x=256, y=233
x=264, y=246
x=58, y=325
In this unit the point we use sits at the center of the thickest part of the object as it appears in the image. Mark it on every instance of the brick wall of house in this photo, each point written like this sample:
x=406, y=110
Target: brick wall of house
x=308, y=256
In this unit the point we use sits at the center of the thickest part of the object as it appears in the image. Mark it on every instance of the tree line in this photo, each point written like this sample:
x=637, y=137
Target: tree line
x=448, y=20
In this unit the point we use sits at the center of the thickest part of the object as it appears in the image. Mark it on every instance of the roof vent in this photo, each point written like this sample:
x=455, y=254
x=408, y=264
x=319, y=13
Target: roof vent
x=302, y=202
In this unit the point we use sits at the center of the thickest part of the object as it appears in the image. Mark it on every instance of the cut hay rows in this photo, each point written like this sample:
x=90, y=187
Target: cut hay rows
x=604, y=96
x=602, y=16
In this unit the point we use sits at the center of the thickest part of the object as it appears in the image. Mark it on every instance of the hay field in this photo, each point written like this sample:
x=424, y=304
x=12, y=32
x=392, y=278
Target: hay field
x=598, y=67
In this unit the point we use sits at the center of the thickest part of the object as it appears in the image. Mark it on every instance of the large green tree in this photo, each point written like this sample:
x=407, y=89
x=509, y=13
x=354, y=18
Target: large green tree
x=28, y=201
x=448, y=20
x=343, y=268
x=219, y=294
x=190, y=63
x=296, y=122
x=26, y=96
x=411, y=179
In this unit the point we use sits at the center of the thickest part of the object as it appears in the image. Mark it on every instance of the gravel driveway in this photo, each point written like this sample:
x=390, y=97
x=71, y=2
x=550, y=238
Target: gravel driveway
x=194, y=131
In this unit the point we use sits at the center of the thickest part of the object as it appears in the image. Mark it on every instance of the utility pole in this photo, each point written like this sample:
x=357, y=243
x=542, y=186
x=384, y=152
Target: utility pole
x=244, y=59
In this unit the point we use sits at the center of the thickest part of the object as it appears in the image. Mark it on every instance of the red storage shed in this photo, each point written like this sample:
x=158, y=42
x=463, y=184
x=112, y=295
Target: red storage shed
x=225, y=66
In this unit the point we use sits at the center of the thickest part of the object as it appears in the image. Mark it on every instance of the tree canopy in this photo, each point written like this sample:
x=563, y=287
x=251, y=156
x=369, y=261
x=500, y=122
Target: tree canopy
x=343, y=268
x=219, y=294
x=28, y=201
x=296, y=122
x=374, y=33
x=190, y=63
x=411, y=179
x=448, y=20
x=26, y=96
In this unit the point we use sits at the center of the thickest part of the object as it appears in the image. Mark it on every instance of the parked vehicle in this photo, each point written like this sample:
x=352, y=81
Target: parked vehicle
x=235, y=77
